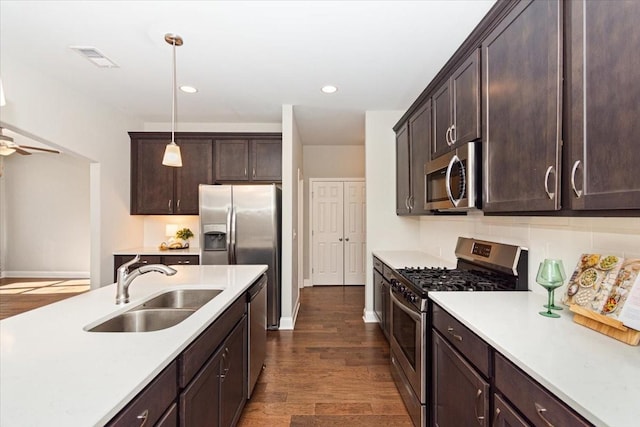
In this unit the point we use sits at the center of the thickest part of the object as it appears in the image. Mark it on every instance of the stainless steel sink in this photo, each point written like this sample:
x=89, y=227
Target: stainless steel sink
x=182, y=298
x=160, y=312
x=143, y=320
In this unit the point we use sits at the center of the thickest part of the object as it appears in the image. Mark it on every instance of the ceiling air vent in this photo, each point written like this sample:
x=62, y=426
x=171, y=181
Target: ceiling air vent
x=95, y=56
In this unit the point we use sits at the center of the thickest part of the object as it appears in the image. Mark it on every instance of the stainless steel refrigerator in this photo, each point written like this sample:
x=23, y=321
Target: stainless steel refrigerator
x=240, y=224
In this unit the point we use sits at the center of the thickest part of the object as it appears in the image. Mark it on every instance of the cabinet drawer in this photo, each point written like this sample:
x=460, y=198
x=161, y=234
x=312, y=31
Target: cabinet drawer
x=536, y=403
x=377, y=264
x=468, y=343
x=151, y=403
x=170, y=418
x=181, y=260
x=192, y=359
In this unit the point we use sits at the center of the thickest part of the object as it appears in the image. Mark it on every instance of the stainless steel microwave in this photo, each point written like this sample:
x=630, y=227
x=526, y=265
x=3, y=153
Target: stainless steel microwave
x=452, y=180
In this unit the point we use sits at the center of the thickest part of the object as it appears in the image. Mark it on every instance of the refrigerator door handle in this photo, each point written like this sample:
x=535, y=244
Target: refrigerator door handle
x=229, y=231
x=233, y=237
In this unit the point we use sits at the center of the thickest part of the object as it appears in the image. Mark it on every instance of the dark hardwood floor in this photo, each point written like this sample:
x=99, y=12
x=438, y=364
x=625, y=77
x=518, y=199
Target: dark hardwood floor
x=332, y=370
x=24, y=294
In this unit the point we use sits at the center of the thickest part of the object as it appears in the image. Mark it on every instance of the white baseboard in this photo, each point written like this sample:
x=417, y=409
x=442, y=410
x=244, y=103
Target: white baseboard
x=48, y=274
x=369, y=316
x=288, y=323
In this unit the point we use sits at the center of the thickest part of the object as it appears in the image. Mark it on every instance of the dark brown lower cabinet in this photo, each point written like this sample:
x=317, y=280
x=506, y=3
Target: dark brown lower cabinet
x=205, y=386
x=537, y=405
x=152, y=404
x=460, y=393
x=504, y=415
x=118, y=260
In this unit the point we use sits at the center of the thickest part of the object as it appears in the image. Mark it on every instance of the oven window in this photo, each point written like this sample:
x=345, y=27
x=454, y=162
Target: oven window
x=404, y=331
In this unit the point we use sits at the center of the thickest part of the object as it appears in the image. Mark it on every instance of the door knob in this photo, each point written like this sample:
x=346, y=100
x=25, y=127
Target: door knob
x=346, y=239
x=340, y=239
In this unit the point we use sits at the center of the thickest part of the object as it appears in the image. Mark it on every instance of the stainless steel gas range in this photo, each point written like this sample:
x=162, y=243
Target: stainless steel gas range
x=481, y=266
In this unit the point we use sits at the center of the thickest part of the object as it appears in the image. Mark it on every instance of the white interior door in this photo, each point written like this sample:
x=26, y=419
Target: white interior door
x=354, y=233
x=327, y=238
x=338, y=233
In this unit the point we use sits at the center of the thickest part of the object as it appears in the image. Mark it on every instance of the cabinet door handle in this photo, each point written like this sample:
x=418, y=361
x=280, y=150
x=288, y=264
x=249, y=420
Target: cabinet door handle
x=447, y=136
x=452, y=134
x=495, y=417
x=254, y=172
x=144, y=416
x=169, y=205
x=406, y=203
x=540, y=410
x=550, y=194
x=245, y=172
x=411, y=199
x=480, y=418
x=453, y=333
x=178, y=205
x=573, y=179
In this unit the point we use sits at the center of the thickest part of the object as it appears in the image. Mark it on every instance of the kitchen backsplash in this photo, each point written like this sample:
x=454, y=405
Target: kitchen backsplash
x=565, y=238
x=155, y=226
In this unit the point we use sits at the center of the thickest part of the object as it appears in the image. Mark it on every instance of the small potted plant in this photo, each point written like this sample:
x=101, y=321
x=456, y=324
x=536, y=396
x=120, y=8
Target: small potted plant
x=184, y=235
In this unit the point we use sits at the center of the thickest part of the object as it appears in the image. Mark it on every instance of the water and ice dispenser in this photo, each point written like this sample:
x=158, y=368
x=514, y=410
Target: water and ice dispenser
x=215, y=237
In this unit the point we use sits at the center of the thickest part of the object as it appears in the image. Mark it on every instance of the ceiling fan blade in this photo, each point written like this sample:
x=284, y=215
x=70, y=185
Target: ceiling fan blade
x=40, y=149
x=21, y=151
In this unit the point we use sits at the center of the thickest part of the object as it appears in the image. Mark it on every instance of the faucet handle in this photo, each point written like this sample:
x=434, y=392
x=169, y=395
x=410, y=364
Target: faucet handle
x=125, y=267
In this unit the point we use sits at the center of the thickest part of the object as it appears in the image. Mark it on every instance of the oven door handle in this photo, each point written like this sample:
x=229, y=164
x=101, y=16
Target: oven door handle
x=413, y=314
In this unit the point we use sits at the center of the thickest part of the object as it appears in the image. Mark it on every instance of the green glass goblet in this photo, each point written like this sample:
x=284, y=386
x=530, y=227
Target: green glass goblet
x=550, y=276
x=562, y=277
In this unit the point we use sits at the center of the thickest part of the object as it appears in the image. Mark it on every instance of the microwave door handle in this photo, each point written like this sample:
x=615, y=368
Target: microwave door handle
x=448, y=180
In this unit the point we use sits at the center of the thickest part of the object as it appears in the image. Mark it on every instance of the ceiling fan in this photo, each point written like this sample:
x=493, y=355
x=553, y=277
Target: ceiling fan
x=7, y=147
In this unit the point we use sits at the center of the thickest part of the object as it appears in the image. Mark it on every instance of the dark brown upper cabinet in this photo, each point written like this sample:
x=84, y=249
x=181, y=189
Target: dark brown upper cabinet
x=403, y=171
x=240, y=160
x=603, y=105
x=456, y=108
x=521, y=89
x=163, y=190
x=413, y=142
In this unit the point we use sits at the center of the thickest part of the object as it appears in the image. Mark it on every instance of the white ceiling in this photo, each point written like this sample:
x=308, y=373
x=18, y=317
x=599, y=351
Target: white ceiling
x=247, y=58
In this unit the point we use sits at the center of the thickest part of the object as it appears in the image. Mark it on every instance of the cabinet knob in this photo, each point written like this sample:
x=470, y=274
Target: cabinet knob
x=346, y=239
x=340, y=239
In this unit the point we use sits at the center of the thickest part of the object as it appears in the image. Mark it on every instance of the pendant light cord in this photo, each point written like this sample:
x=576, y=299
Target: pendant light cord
x=173, y=99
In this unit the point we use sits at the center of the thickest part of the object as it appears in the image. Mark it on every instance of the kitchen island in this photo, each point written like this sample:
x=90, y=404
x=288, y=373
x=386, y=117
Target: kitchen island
x=594, y=374
x=55, y=373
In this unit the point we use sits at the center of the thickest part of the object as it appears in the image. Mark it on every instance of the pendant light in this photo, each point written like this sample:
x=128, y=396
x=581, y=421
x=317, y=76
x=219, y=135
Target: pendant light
x=172, y=155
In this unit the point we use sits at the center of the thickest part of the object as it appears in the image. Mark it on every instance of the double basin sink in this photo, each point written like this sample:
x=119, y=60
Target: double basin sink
x=160, y=312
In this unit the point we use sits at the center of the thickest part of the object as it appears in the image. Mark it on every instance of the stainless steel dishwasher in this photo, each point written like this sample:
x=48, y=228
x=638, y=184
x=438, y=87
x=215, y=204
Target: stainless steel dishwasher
x=257, y=308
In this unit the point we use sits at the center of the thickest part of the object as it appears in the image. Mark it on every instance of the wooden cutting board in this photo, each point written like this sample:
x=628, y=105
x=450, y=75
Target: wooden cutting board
x=601, y=283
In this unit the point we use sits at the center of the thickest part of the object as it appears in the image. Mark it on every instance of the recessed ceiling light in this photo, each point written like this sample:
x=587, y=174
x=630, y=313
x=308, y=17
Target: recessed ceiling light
x=188, y=89
x=329, y=89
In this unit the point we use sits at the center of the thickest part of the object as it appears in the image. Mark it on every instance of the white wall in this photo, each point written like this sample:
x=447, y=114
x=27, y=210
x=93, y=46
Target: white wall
x=56, y=114
x=46, y=200
x=385, y=230
x=545, y=237
x=327, y=161
x=291, y=163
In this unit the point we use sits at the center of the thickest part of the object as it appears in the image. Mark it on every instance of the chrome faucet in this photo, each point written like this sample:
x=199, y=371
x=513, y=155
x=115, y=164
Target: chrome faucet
x=125, y=277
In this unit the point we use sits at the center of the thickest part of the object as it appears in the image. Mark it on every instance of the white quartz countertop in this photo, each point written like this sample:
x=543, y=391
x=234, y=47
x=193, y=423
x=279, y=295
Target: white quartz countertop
x=54, y=373
x=598, y=376
x=401, y=259
x=155, y=250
